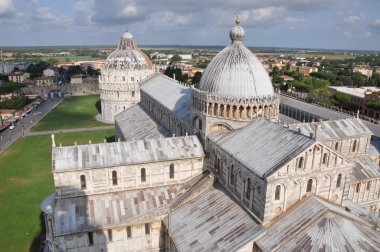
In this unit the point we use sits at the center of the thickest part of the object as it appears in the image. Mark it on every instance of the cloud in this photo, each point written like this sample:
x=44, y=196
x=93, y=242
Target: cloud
x=294, y=20
x=348, y=34
x=352, y=19
x=374, y=27
x=8, y=12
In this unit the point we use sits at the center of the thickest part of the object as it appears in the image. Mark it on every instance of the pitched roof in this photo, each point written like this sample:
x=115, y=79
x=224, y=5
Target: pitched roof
x=172, y=95
x=86, y=213
x=365, y=168
x=125, y=153
x=212, y=221
x=129, y=123
x=263, y=145
x=314, y=224
x=335, y=129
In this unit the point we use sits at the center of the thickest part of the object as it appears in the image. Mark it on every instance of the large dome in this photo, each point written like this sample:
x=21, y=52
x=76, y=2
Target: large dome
x=127, y=55
x=236, y=72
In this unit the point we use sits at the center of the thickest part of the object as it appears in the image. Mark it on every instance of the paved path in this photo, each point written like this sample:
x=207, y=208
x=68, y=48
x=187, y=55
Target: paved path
x=49, y=132
x=22, y=126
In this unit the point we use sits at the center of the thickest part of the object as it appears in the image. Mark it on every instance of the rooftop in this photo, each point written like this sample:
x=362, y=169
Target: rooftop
x=355, y=91
x=262, y=146
x=171, y=94
x=80, y=157
x=129, y=123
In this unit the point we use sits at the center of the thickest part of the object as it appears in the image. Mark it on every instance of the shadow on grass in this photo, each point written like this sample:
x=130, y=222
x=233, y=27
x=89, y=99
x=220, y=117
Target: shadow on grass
x=98, y=106
x=37, y=244
x=110, y=139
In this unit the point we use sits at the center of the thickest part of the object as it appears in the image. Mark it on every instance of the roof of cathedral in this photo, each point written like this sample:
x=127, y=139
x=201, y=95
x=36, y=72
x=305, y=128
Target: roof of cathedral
x=127, y=55
x=323, y=113
x=262, y=146
x=236, y=71
x=313, y=224
x=92, y=212
x=170, y=94
x=211, y=221
x=129, y=123
x=336, y=129
x=80, y=157
x=365, y=168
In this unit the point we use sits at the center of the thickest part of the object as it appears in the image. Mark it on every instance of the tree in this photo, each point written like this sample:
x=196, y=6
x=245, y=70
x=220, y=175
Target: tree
x=176, y=58
x=341, y=99
x=358, y=79
x=196, y=79
x=36, y=70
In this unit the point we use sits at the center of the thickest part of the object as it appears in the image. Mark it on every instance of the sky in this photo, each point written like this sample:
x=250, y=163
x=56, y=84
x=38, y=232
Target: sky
x=325, y=24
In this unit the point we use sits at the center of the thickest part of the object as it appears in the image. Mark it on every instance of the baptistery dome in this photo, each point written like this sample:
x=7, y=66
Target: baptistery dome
x=127, y=55
x=236, y=71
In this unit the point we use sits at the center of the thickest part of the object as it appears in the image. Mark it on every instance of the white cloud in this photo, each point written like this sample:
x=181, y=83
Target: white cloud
x=348, y=34
x=294, y=20
x=352, y=19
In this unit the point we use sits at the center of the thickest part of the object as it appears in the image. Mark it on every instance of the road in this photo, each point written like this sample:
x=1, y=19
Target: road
x=48, y=132
x=8, y=136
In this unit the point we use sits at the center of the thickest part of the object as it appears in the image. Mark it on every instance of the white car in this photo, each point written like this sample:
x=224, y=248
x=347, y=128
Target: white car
x=11, y=127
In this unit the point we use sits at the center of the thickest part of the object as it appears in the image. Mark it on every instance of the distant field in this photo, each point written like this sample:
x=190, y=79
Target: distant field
x=58, y=58
x=327, y=56
x=26, y=180
x=73, y=112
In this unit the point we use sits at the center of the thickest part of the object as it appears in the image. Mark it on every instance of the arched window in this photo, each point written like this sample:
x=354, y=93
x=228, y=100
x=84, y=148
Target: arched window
x=277, y=193
x=336, y=146
x=133, y=93
x=114, y=178
x=357, y=187
x=232, y=176
x=123, y=78
x=83, y=182
x=249, y=188
x=171, y=171
x=300, y=162
x=132, y=78
x=339, y=180
x=143, y=175
x=354, y=146
x=324, y=159
x=368, y=185
x=309, y=185
x=200, y=124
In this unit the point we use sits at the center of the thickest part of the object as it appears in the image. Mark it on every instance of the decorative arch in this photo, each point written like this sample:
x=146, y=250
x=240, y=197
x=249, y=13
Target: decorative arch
x=220, y=126
x=197, y=122
x=311, y=185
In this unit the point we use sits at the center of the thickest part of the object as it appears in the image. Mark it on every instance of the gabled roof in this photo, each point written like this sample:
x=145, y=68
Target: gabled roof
x=130, y=122
x=263, y=146
x=211, y=221
x=336, y=129
x=125, y=153
x=87, y=213
x=314, y=224
x=365, y=168
x=172, y=95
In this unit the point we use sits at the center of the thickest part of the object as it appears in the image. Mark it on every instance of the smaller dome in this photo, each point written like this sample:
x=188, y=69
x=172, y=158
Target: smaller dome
x=127, y=35
x=237, y=33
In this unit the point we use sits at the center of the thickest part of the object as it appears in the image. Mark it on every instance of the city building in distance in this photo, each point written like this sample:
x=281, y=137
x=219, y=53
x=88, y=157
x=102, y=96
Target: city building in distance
x=211, y=168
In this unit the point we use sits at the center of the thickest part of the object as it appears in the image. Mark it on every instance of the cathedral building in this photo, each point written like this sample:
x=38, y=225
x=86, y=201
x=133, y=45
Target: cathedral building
x=121, y=77
x=211, y=169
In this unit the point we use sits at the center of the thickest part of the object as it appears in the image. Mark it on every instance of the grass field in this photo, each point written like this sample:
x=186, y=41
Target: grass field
x=26, y=180
x=328, y=56
x=73, y=112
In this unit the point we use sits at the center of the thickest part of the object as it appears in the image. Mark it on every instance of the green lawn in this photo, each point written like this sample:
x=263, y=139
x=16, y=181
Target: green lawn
x=25, y=181
x=72, y=112
x=328, y=56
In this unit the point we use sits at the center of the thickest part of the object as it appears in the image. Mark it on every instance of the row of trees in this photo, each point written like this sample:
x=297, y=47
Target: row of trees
x=15, y=102
x=184, y=78
x=11, y=87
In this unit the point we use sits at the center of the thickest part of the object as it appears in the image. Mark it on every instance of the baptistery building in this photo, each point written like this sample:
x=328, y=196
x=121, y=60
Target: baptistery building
x=212, y=169
x=121, y=77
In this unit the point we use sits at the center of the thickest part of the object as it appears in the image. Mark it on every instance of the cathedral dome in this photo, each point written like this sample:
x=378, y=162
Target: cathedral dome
x=236, y=71
x=127, y=55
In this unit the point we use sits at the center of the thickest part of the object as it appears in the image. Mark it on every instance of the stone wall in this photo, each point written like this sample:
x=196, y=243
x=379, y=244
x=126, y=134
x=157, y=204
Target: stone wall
x=101, y=180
